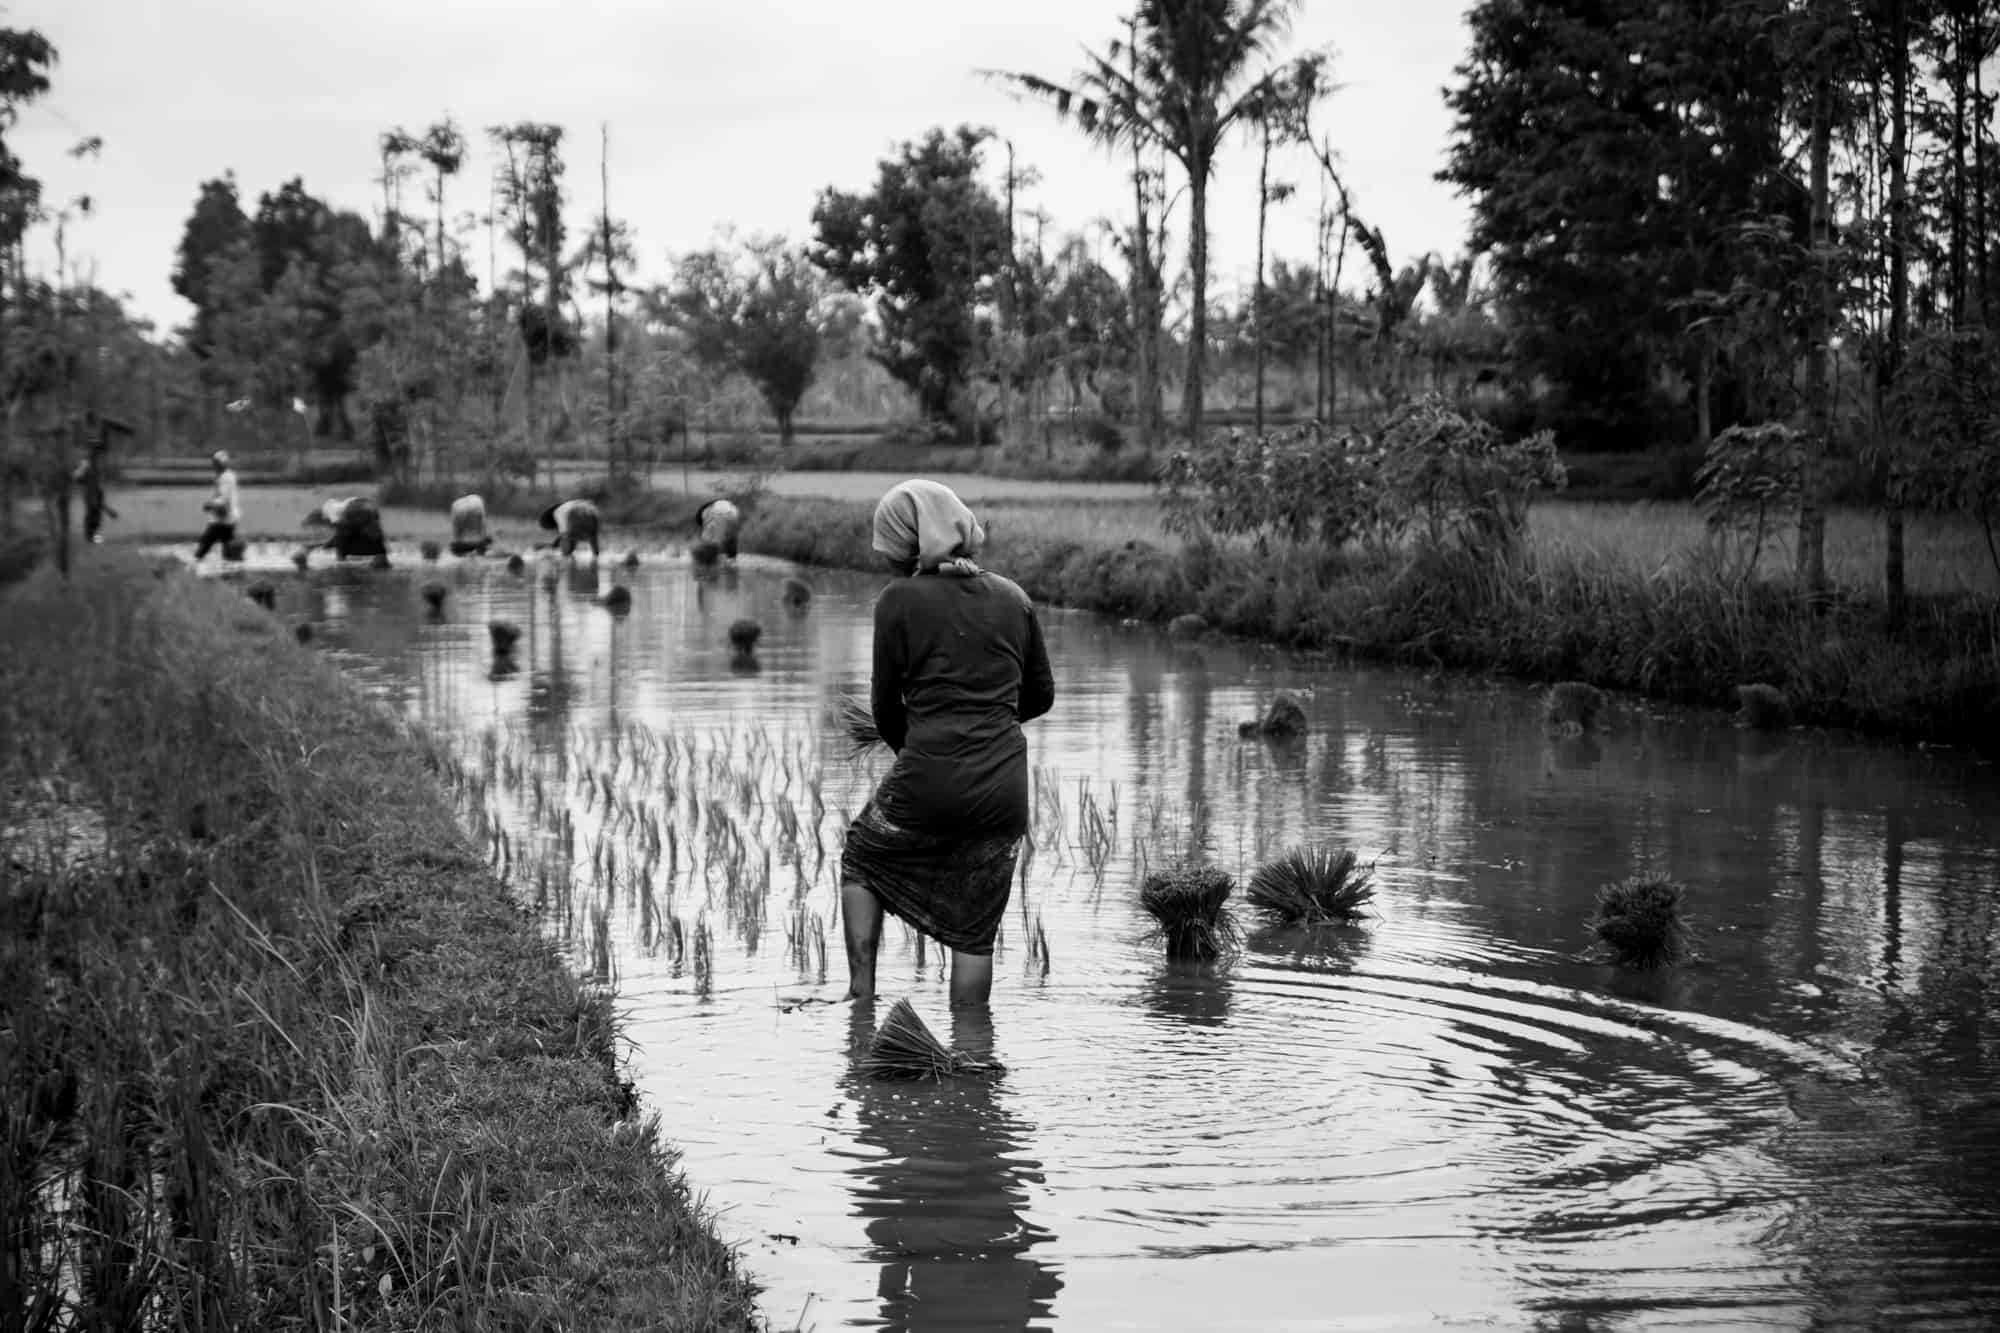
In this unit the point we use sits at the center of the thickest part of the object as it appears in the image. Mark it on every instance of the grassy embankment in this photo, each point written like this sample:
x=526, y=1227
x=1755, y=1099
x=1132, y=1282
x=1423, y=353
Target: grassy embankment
x=276, y=1050
x=1628, y=597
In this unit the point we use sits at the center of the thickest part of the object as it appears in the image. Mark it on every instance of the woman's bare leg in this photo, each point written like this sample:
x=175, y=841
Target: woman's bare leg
x=861, y=922
x=971, y=978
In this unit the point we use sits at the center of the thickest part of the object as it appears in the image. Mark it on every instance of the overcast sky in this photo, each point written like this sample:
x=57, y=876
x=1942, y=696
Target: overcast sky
x=732, y=112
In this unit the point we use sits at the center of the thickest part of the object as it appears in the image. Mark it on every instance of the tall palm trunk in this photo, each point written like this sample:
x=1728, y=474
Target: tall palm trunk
x=1197, y=353
x=1811, y=565
x=1899, y=298
x=1257, y=300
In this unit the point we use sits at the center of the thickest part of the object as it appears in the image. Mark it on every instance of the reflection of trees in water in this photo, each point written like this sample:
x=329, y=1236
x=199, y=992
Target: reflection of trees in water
x=946, y=1204
x=552, y=691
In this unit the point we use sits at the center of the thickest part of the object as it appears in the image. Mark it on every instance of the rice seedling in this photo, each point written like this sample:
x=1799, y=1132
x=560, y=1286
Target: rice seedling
x=300, y=559
x=705, y=553
x=743, y=635
x=903, y=1048
x=1763, y=708
x=796, y=592
x=303, y=631
x=1572, y=707
x=434, y=595
x=1188, y=626
x=1283, y=717
x=516, y=565
x=504, y=634
x=429, y=550
x=263, y=594
x=1639, y=920
x=1310, y=885
x=1188, y=903
x=631, y=560
x=618, y=599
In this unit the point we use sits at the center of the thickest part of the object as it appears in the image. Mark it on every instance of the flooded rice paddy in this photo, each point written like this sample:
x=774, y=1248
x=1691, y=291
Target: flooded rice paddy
x=1447, y=1115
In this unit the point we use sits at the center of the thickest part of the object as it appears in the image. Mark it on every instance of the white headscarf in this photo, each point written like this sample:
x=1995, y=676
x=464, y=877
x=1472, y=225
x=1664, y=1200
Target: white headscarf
x=925, y=522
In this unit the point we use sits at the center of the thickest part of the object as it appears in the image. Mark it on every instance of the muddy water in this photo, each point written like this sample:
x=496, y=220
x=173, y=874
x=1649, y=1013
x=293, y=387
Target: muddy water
x=1444, y=1116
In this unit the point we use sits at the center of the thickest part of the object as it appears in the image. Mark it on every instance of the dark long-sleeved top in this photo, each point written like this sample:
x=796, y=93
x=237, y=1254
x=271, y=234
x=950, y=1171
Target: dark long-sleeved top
x=959, y=665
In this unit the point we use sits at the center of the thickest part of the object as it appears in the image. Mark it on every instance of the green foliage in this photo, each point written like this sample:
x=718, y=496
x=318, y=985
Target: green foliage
x=753, y=309
x=925, y=244
x=1945, y=406
x=1301, y=485
x=1610, y=154
x=1460, y=479
x=1748, y=482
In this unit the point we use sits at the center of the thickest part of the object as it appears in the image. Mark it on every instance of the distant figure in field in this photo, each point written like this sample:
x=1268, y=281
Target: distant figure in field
x=574, y=522
x=222, y=509
x=468, y=526
x=90, y=478
x=356, y=527
x=720, y=521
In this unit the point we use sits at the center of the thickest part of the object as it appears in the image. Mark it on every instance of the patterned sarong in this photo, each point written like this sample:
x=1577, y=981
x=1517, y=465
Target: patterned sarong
x=952, y=888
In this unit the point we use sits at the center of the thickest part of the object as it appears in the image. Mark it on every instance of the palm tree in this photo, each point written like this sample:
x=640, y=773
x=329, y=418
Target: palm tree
x=1191, y=73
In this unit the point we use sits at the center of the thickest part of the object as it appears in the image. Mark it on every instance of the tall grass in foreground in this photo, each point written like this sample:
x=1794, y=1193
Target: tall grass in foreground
x=274, y=1052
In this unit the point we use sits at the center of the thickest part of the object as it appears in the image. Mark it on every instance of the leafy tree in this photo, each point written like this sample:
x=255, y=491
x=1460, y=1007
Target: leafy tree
x=217, y=227
x=1611, y=152
x=754, y=309
x=1192, y=73
x=925, y=244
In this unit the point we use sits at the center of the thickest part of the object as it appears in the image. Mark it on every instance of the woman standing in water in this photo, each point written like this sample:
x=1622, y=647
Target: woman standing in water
x=959, y=666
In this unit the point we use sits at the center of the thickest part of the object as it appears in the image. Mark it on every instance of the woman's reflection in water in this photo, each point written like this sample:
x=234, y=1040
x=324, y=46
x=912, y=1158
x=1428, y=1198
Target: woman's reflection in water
x=946, y=1201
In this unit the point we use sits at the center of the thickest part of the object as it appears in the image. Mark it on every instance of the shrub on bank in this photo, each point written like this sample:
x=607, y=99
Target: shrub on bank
x=1688, y=635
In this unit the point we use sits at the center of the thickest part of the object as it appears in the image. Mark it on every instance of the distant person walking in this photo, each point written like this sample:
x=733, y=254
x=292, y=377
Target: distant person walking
x=468, y=526
x=720, y=521
x=90, y=478
x=356, y=525
x=574, y=522
x=222, y=509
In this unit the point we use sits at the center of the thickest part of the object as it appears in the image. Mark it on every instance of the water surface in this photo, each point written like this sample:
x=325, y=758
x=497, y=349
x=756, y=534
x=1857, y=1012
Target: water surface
x=1448, y=1115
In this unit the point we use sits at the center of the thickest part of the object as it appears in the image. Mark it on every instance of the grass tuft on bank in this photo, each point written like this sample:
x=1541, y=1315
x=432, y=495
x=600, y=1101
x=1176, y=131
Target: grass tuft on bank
x=275, y=1048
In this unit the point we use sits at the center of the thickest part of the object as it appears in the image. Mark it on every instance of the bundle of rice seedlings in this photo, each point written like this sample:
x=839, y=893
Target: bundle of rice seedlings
x=705, y=553
x=743, y=635
x=856, y=719
x=434, y=595
x=263, y=594
x=1639, y=920
x=234, y=549
x=631, y=560
x=797, y=592
x=504, y=634
x=303, y=631
x=381, y=560
x=1285, y=716
x=1763, y=707
x=618, y=598
x=1310, y=885
x=904, y=1048
x=515, y=564
x=1572, y=706
x=1189, y=626
x=429, y=550
x=1187, y=901
x=299, y=559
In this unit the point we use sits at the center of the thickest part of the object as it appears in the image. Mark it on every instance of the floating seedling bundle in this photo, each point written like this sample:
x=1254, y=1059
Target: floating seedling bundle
x=1639, y=920
x=1188, y=903
x=1572, y=706
x=1310, y=885
x=904, y=1048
